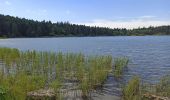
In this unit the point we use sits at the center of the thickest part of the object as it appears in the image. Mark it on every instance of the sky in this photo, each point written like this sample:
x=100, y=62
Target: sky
x=104, y=13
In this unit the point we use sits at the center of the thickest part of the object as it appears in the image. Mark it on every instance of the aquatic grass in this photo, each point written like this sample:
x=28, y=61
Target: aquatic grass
x=132, y=90
x=3, y=90
x=96, y=73
x=80, y=67
x=119, y=65
x=3, y=93
x=85, y=87
x=135, y=90
x=18, y=85
x=51, y=69
x=56, y=85
x=163, y=87
x=157, y=90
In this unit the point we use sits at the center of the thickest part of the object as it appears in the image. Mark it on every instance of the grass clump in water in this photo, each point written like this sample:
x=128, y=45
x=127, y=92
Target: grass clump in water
x=132, y=90
x=119, y=65
x=22, y=72
x=18, y=85
x=95, y=73
x=2, y=93
x=157, y=90
x=163, y=87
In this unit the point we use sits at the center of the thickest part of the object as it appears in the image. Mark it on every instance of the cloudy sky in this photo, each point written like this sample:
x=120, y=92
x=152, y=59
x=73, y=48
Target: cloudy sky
x=104, y=13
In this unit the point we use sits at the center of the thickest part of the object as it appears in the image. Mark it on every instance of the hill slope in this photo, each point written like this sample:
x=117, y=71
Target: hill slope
x=21, y=27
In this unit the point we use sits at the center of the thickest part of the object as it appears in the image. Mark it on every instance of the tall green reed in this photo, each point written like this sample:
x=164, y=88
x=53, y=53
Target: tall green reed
x=119, y=65
x=132, y=90
x=35, y=70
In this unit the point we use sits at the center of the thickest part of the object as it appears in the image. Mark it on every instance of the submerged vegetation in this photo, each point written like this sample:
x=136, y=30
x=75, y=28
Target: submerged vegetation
x=132, y=90
x=25, y=71
x=17, y=86
x=22, y=72
x=119, y=65
x=163, y=87
x=136, y=90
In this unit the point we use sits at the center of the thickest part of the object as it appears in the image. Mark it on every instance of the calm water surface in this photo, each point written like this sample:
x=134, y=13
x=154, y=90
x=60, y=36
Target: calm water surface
x=149, y=55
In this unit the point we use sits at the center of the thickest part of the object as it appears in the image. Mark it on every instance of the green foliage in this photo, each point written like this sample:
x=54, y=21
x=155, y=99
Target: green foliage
x=95, y=73
x=56, y=84
x=17, y=27
x=3, y=92
x=163, y=87
x=18, y=85
x=85, y=87
x=31, y=70
x=119, y=65
x=22, y=72
x=132, y=90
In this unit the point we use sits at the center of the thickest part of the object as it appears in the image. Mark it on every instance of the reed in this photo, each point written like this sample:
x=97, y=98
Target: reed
x=95, y=73
x=18, y=85
x=26, y=71
x=163, y=87
x=2, y=93
x=85, y=88
x=132, y=90
x=119, y=65
x=158, y=90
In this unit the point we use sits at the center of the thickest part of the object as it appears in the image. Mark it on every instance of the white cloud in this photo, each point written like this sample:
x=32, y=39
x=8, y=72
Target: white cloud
x=7, y=3
x=142, y=21
x=147, y=16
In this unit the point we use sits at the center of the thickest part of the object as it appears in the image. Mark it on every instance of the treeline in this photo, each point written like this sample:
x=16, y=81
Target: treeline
x=21, y=27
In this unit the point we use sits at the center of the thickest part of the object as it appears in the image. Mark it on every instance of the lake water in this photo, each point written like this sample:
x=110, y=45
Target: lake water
x=149, y=55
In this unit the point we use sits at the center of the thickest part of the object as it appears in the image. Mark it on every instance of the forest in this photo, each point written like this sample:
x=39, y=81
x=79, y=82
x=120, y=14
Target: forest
x=14, y=27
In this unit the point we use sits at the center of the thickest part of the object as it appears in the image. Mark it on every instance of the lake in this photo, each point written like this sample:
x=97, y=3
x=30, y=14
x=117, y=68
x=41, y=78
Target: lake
x=149, y=55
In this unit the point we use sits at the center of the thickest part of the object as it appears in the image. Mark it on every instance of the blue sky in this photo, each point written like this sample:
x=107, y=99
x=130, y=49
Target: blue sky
x=106, y=13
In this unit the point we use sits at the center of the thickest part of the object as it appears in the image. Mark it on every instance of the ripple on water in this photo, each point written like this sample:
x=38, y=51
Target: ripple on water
x=149, y=55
